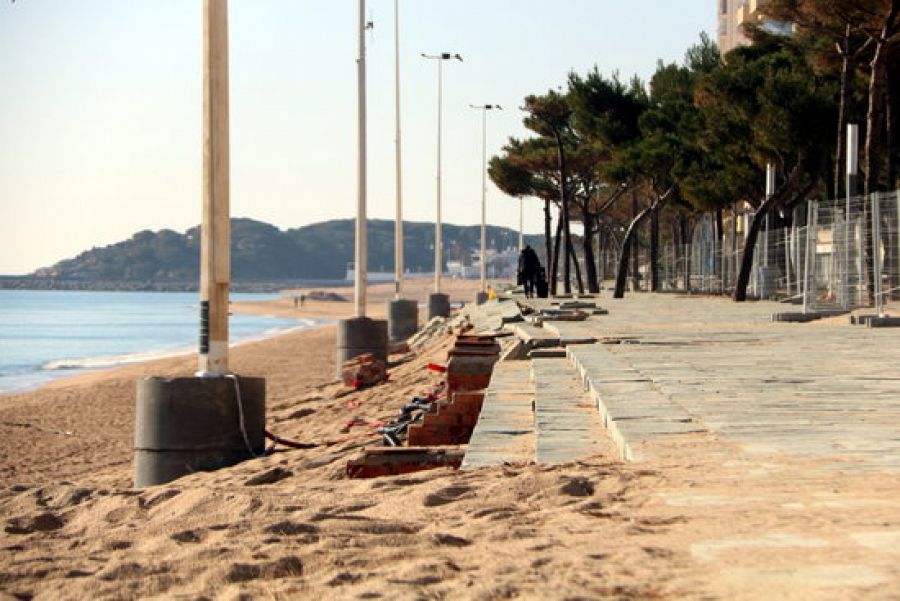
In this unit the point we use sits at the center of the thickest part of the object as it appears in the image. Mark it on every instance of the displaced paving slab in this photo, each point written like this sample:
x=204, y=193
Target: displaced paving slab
x=567, y=426
x=505, y=429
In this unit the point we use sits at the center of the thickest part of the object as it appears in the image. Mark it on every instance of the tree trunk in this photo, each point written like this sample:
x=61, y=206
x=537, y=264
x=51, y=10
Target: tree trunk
x=578, y=281
x=847, y=70
x=555, y=268
x=892, y=247
x=791, y=183
x=635, y=267
x=590, y=265
x=890, y=121
x=601, y=254
x=874, y=129
x=622, y=273
x=877, y=93
x=548, y=235
x=654, y=250
x=740, y=288
x=564, y=204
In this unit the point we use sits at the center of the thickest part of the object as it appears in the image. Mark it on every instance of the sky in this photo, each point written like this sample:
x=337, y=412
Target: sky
x=100, y=107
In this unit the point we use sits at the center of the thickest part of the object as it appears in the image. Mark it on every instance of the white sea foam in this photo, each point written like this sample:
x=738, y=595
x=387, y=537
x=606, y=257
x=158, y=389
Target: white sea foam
x=111, y=361
x=130, y=358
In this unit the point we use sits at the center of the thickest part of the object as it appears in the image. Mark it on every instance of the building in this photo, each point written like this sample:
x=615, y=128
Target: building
x=734, y=14
x=731, y=13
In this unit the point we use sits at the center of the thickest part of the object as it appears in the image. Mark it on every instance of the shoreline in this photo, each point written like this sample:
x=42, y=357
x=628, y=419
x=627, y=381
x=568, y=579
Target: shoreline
x=68, y=370
x=320, y=313
x=80, y=427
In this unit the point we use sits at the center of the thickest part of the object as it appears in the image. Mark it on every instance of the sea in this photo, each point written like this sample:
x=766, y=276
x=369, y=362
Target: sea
x=45, y=335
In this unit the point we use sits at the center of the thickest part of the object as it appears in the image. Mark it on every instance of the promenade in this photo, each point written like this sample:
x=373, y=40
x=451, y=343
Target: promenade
x=778, y=444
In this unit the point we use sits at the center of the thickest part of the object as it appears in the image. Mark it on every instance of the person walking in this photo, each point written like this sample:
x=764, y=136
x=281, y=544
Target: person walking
x=529, y=267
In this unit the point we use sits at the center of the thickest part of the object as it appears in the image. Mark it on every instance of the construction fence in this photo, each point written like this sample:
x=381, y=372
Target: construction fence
x=840, y=254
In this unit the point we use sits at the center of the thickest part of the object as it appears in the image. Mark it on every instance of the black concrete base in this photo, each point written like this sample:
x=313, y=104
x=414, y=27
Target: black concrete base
x=403, y=319
x=885, y=321
x=796, y=317
x=875, y=321
x=481, y=298
x=438, y=305
x=359, y=336
x=187, y=425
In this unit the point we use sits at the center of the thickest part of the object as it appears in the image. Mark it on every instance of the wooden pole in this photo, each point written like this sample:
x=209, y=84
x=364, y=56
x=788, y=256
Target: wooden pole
x=215, y=230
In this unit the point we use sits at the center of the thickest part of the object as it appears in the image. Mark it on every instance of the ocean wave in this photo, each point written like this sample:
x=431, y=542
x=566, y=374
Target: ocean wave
x=103, y=362
x=111, y=361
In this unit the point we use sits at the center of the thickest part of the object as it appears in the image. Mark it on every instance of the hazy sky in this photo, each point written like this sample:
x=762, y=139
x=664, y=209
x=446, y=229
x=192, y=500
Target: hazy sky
x=101, y=100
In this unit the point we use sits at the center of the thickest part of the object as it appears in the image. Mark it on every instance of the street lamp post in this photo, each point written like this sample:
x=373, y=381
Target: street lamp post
x=439, y=304
x=215, y=418
x=361, y=335
x=484, y=108
x=398, y=227
x=403, y=314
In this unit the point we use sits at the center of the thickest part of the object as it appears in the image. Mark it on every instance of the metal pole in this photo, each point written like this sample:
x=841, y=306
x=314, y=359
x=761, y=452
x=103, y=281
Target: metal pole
x=811, y=237
x=484, y=108
x=398, y=226
x=787, y=261
x=852, y=170
x=876, y=251
x=438, y=240
x=484, y=199
x=361, y=242
x=215, y=231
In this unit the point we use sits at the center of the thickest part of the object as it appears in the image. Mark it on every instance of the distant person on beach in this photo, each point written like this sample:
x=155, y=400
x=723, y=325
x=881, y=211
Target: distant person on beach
x=529, y=267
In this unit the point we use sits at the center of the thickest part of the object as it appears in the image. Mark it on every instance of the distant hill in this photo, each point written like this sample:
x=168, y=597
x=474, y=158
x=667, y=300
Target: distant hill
x=262, y=252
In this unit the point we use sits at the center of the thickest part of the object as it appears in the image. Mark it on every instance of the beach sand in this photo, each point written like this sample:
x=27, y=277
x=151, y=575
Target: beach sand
x=592, y=529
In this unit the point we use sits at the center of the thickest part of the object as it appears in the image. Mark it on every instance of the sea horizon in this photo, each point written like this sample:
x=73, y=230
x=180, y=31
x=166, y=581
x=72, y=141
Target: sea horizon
x=47, y=335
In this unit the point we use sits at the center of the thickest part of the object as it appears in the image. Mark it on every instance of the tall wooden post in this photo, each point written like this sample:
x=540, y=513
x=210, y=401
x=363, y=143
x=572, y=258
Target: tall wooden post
x=215, y=231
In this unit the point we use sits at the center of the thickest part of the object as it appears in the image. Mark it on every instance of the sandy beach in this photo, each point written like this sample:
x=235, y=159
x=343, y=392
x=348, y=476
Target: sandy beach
x=599, y=528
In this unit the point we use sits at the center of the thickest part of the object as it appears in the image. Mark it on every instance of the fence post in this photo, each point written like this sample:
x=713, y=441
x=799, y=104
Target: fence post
x=852, y=170
x=787, y=261
x=876, y=251
x=811, y=237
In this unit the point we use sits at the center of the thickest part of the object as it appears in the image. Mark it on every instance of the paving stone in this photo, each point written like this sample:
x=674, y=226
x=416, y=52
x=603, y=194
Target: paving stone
x=505, y=428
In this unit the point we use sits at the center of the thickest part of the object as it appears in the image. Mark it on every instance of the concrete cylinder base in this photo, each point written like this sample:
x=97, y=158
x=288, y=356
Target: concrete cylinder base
x=438, y=305
x=359, y=336
x=403, y=319
x=186, y=425
x=481, y=298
